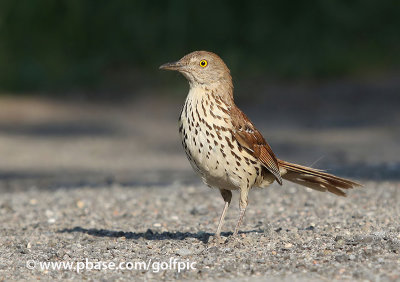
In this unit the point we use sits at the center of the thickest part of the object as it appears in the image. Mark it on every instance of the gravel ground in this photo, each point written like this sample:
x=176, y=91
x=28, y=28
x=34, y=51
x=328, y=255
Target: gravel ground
x=288, y=232
x=111, y=184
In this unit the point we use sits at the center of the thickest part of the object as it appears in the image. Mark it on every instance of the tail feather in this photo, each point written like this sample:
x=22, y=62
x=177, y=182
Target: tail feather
x=315, y=178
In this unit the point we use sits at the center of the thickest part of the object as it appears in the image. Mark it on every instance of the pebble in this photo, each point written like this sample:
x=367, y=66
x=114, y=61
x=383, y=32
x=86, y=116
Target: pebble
x=288, y=245
x=184, y=252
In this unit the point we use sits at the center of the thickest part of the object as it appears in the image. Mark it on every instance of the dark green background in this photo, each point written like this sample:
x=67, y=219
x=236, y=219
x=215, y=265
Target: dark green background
x=59, y=45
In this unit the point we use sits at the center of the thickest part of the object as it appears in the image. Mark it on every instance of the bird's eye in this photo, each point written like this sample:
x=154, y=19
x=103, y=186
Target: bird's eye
x=203, y=63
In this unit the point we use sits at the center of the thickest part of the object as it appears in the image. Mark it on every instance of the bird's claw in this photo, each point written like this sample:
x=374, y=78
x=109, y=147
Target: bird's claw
x=216, y=240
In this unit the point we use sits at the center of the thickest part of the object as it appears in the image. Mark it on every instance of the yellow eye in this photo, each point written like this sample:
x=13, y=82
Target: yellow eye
x=203, y=63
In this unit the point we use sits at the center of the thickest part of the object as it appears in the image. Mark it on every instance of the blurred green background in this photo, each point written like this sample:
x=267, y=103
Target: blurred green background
x=59, y=46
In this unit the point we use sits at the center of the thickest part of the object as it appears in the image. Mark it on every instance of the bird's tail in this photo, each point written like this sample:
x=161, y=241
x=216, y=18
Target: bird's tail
x=315, y=178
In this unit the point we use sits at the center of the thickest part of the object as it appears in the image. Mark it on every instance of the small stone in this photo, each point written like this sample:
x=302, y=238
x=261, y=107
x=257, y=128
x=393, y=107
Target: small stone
x=288, y=245
x=339, y=238
x=80, y=204
x=200, y=210
x=60, y=253
x=230, y=268
x=184, y=252
x=368, y=252
x=49, y=213
x=341, y=258
x=209, y=261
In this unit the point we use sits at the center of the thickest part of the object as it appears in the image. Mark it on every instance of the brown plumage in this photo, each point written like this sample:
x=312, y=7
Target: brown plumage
x=316, y=179
x=223, y=145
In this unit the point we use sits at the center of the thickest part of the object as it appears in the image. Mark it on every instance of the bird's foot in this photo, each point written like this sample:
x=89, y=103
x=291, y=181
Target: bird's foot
x=234, y=239
x=216, y=240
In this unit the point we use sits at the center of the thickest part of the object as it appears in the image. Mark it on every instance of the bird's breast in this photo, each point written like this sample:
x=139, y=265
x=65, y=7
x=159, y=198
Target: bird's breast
x=206, y=132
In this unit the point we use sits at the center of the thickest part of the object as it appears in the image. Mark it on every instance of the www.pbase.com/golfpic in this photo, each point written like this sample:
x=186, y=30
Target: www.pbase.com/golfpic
x=173, y=264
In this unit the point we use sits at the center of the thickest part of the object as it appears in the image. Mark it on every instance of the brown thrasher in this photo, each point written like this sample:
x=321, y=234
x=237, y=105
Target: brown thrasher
x=224, y=146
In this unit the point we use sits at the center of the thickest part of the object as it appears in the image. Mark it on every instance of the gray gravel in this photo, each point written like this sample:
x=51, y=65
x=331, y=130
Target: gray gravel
x=111, y=184
x=287, y=232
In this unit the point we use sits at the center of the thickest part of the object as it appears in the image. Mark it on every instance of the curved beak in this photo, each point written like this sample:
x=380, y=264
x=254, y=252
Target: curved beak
x=172, y=66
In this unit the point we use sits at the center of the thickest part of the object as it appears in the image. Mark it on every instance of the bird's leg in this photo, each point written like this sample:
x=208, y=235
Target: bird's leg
x=227, y=195
x=243, y=201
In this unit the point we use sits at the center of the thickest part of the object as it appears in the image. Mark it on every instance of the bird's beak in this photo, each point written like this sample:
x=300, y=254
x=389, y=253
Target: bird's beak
x=172, y=66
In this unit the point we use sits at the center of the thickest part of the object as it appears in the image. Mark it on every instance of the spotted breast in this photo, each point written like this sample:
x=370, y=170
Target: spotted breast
x=205, y=128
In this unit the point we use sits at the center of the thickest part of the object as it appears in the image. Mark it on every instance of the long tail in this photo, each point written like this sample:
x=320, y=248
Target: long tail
x=315, y=178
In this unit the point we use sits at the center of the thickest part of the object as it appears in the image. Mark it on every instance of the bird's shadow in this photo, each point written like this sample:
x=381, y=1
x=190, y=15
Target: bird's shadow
x=149, y=234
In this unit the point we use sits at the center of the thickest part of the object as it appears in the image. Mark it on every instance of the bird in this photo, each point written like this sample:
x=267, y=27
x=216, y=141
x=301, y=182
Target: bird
x=223, y=145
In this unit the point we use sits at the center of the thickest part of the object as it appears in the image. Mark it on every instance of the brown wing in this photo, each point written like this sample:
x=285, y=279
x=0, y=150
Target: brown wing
x=251, y=139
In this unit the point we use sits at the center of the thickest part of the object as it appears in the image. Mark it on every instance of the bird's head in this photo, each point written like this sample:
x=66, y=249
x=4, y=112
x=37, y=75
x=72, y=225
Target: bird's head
x=201, y=68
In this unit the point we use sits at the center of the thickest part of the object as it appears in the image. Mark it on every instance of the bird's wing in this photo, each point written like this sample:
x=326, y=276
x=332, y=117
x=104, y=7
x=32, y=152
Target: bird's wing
x=251, y=139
